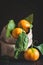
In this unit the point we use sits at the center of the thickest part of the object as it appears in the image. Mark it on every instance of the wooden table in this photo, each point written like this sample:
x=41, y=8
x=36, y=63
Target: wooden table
x=7, y=61
x=11, y=61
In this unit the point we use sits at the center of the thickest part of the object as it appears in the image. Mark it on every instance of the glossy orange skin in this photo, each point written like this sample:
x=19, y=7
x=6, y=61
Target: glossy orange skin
x=24, y=24
x=31, y=54
x=16, y=32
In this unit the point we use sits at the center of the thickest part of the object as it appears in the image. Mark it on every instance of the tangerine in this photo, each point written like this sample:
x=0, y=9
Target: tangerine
x=24, y=24
x=16, y=32
x=32, y=54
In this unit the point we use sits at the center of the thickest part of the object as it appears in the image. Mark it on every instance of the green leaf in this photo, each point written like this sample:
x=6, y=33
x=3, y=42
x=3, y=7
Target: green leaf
x=30, y=18
x=21, y=44
x=11, y=25
x=7, y=33
x=17, y=53
x=22, y=41
x=31, y=26
x=40, y=47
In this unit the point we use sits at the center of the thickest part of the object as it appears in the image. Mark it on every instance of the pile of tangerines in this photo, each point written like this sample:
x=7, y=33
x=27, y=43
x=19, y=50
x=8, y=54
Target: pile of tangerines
x=31, y=53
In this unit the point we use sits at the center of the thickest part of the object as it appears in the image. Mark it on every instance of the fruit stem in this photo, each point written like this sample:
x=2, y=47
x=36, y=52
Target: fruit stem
x=32, y=45
x=35, y=41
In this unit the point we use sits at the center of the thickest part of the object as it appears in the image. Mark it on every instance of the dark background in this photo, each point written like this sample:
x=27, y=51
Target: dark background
x=17, y=10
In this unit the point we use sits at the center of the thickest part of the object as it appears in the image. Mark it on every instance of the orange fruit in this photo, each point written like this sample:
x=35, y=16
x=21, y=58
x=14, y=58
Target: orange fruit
x=24, y=24
x=31, y=54
x=16, y=32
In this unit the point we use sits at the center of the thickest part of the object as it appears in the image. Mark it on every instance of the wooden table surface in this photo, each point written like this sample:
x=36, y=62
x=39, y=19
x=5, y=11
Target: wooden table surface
x=9, y=61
